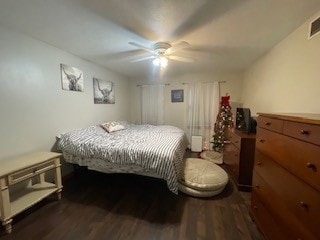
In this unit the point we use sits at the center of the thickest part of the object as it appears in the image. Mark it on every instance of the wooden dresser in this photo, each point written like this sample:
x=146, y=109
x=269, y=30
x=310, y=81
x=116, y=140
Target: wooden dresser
x=286, y=179
x=238, y=156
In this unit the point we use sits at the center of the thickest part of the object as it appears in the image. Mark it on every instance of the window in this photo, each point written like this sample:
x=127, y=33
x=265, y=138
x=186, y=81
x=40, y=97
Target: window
x=152, y=104
x=202, y=110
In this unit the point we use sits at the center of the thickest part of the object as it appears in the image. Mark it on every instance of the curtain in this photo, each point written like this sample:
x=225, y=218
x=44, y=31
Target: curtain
x=152, y=104
x=202, y=110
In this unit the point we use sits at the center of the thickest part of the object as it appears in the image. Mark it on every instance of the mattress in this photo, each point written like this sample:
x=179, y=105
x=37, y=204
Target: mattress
x=141, y=149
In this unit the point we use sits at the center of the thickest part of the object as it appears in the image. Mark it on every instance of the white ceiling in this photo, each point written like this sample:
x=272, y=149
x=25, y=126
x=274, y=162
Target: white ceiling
x=224, y=34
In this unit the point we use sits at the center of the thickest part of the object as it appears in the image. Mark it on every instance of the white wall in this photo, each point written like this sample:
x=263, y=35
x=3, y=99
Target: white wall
x=175, y=113
x=34, y=108
x=286, y=79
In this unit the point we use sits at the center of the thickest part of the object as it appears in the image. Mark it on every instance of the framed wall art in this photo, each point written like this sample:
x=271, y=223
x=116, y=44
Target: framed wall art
x=71, y=78
x=177, y=95
x=103, y=91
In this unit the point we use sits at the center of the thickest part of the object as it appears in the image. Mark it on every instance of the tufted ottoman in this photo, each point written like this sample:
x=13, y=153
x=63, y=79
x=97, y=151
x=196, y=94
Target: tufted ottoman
x=201, y=178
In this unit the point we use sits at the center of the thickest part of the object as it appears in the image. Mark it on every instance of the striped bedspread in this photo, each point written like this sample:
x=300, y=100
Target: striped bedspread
x=158, y=149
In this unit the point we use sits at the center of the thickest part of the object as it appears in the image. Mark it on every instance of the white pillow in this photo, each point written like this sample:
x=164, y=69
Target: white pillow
x=112, y=126
x=124, y=123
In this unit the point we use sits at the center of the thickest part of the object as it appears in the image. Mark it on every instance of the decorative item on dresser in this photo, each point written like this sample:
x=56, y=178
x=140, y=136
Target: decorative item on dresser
x=238, y=156
x=286, y=179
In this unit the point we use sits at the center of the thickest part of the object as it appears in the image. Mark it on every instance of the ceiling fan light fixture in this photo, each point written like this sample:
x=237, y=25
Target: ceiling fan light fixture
x=160, y=61
x=162, y=51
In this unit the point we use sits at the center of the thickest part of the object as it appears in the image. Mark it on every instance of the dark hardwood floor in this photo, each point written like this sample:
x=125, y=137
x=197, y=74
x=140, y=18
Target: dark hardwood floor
x=117, y=206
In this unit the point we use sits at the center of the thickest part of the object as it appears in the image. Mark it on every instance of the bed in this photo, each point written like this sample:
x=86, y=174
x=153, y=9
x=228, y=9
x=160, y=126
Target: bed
x=149, y=150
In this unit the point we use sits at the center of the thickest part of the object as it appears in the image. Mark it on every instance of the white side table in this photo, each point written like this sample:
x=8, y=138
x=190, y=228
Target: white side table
x=33, y=168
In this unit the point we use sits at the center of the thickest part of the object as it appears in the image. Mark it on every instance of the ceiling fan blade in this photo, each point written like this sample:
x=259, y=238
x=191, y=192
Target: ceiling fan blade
x=177, y=47
x=125, y=55
x=181, y=59
x=142, y=59
x=142, y=47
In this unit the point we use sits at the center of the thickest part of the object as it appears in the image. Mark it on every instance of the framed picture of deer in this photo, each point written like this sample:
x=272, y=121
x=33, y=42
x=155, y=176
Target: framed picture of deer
x=103, y=91
x=71, y=78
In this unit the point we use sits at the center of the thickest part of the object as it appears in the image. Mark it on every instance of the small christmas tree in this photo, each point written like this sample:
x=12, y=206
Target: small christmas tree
x=224, y=121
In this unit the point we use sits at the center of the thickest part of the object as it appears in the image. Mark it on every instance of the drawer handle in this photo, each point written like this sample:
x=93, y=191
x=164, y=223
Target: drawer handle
x=259, y=163
x=304, y=132
x=267, y=123
x=304, y=205
x=311, y=166
x=257, y=186
x=261, y=140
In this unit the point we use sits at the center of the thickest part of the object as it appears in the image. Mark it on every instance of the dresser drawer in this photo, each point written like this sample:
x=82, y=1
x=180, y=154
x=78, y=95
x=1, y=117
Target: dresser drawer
x=300, y=158
x=238, y=156
x=271, y=124
x=234, y=139
x=231, y=156
x=298, y=201
x=303, y=131
x=30, y=172
x=271, y=228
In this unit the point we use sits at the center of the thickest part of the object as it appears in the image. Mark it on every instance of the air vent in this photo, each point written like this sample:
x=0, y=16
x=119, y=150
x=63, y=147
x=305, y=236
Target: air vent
x=314, y=27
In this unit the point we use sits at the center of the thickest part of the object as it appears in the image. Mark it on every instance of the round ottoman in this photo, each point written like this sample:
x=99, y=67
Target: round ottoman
x=201, y=178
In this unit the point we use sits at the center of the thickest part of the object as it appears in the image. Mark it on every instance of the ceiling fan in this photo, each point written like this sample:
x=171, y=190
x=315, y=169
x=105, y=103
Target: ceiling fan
x=162, y=51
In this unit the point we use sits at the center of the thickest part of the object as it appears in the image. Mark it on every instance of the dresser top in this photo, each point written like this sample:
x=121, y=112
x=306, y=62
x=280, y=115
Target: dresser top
x=311, y=118
x=242, y=134
x=25, y=161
